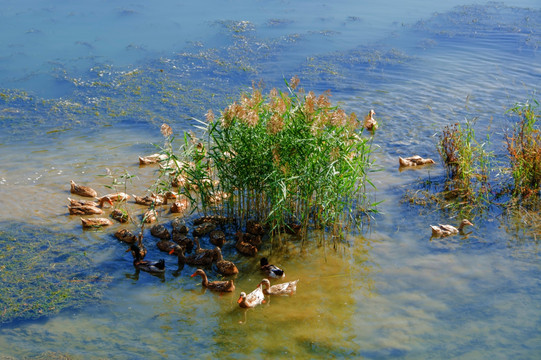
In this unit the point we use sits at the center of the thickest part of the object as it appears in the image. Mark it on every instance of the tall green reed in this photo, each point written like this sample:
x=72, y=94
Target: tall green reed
x=288, y=159
x=524, y=149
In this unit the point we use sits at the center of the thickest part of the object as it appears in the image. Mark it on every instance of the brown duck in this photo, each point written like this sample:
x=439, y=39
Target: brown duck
x=218, y=286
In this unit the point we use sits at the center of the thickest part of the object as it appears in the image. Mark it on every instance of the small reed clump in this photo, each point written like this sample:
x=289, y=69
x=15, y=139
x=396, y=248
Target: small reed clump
x=286, y=158
x=524, y=148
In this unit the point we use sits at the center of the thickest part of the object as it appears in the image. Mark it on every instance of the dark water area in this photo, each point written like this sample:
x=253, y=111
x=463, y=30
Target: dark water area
x=84, y=89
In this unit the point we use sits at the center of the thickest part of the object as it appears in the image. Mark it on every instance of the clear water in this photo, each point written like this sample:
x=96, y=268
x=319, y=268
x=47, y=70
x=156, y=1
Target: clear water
x=391, y=292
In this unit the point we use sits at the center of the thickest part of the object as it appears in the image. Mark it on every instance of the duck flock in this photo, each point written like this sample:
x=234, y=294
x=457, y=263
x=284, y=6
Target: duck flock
x=178, y=242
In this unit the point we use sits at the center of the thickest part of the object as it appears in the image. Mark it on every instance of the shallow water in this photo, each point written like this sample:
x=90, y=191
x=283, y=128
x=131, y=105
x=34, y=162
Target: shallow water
x=83, y=93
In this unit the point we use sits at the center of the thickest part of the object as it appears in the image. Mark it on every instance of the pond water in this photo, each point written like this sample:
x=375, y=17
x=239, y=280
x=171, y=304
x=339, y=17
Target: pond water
x=85, y=88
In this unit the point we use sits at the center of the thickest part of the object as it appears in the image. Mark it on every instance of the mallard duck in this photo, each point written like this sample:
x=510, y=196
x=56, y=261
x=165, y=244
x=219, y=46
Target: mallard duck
x=179, y=226
x=82, y=190
x=169, y=247
x=217, y=238
x=243, y=246
x=179, y=206
x=369, y=122
x=84, y=210
x=219, y=286
x=271, y=270
x=253, y=299
x=116, y=197
x=146, y=265
x=202, y=258
x=151, y=159
x=204, y=228
x=255, y=228
x=126, y=236
x=225, y=267
x=150, y=216
x=286, y=288
x=183, y=240
x=95, y=222
x=119, y=215
x=149, y=200
x=415, y=160
x=447, y=230
x=160, y=232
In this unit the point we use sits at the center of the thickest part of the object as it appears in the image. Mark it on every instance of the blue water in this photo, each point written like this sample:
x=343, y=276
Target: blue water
x=85, y=87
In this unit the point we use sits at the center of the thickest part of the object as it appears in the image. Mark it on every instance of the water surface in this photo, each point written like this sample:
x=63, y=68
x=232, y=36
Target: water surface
x=85, y=88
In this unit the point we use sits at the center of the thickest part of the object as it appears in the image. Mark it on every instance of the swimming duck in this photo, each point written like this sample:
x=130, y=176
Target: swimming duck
x=217, y=238
x=415, y=160
x=271, y=270
x=202, y=259
x=253, y=299
x=160, y=232
x=119, y=215
x=150, y=216
x=151, y=159
x=85, y=207
x=286, y=288
x=243, y=246
x=146, y=265
x=116, y=197
x=369, y=122
x=219, y=286
x=447, y=230
x=95, y=222
x=82, y=190
x=179, y=205
x=126, y=236
x=225, y=267
x=149, y=200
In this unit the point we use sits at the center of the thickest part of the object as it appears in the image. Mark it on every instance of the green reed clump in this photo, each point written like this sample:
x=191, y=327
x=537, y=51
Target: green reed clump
x=467, y=162
x=524, y=148
x=289, y=157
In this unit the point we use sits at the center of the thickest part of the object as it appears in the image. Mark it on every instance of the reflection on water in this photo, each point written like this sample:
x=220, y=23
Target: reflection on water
x=391, y=291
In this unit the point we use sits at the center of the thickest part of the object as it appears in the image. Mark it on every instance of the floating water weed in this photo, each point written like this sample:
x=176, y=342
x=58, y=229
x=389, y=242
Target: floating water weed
x=43, y=273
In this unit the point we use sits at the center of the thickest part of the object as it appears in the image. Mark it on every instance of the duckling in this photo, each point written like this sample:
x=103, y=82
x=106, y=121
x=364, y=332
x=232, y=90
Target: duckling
x=82, y=190
x=253, y=299
x=271, y=270
x=146, y=265
x=369, y=122
x=447, y=230
x=225, y=267
x=287, y=288
x=219, y=286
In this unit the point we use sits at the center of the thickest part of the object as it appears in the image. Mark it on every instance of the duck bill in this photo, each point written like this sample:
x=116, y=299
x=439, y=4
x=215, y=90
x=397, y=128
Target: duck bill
x=239, y=300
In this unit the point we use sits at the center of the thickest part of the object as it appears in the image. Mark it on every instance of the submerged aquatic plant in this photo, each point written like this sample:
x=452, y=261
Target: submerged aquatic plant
x=42, y=273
